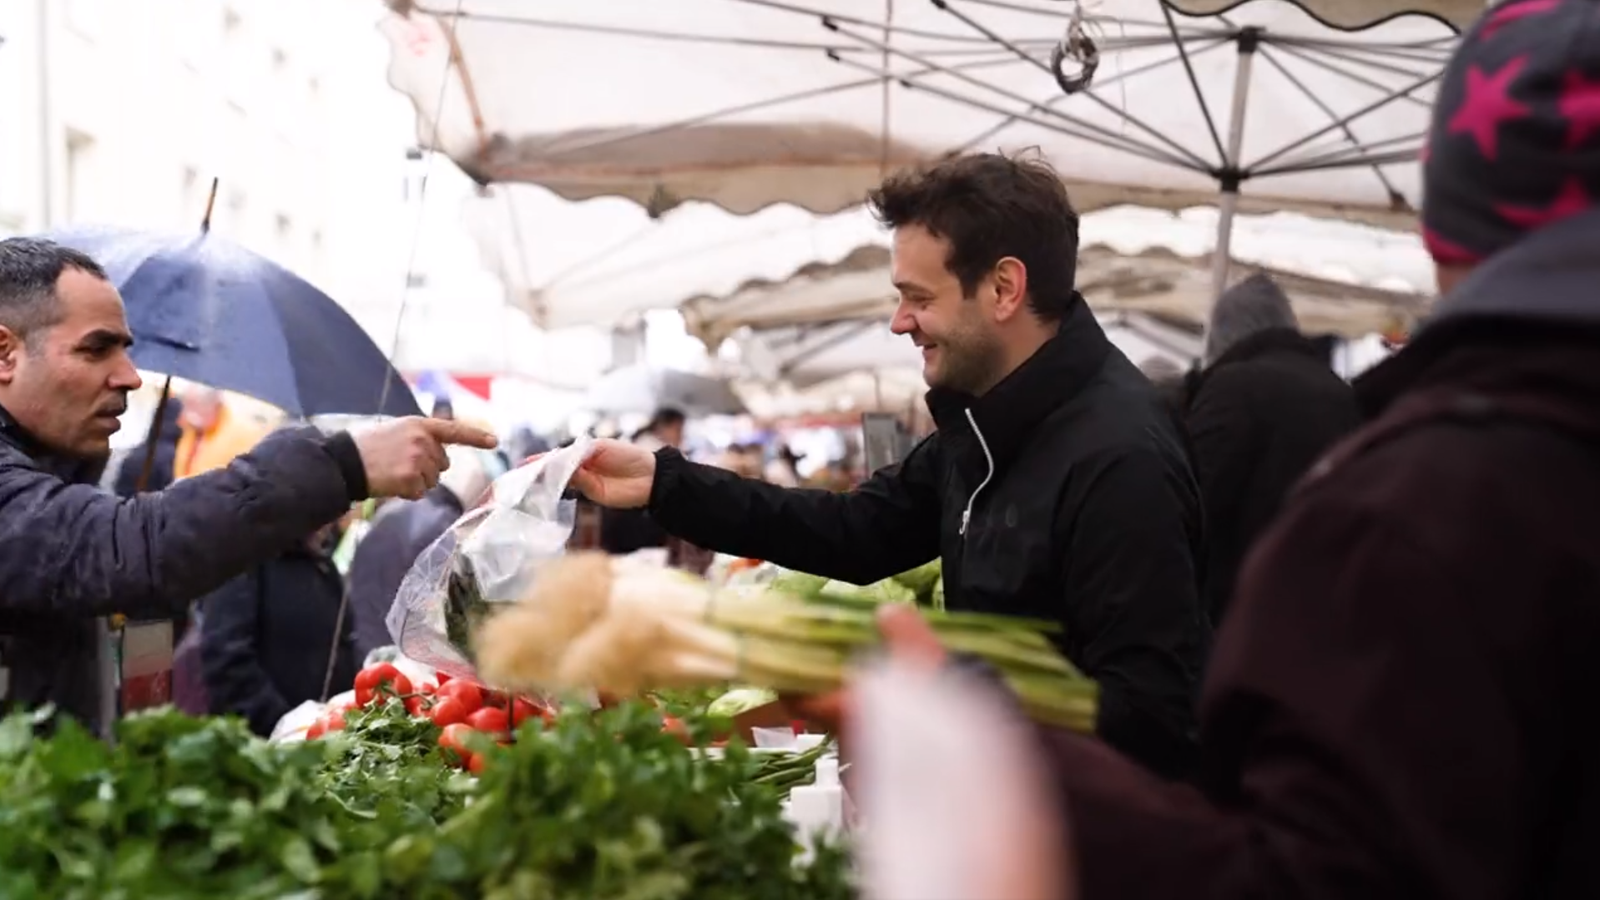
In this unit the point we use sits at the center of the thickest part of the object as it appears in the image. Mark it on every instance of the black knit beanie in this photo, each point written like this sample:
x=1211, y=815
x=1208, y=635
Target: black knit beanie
x=1515, y=142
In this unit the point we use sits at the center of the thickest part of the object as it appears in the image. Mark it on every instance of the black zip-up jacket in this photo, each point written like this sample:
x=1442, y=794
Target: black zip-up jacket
x=1061, y=494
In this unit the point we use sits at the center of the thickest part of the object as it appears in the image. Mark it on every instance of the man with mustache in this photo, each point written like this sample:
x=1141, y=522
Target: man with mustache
x=71, y=554
x=1056, y=486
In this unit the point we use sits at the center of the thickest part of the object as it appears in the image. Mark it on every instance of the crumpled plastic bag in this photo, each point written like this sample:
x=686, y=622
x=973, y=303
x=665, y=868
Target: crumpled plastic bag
x=488, y=556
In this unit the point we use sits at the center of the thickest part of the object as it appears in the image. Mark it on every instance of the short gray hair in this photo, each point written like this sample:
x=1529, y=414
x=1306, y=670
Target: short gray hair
x=29, y=270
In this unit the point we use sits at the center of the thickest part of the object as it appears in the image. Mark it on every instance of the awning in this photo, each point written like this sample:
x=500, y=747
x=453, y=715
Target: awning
x=747, y=103
x=822, y=300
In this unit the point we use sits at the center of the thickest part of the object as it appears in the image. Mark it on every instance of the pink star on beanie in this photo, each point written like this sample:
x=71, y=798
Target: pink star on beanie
x=1516, y=130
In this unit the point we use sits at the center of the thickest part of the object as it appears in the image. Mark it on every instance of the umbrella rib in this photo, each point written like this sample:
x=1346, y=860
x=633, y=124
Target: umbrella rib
x=1350, y=157
x=1349, y=133
x=1197, y=161
x=1343, y=121
x=1119, y=143
x=1194, y=84
x=620, y=31
x=555, y=148
x=1374, y=58
x=1058, y=98
x=1312, y=59
x=655, y=34
x=866, y=23
x=1394, y=157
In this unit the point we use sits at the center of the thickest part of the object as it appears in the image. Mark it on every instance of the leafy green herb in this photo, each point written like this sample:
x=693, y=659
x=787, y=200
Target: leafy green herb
x=602, y=806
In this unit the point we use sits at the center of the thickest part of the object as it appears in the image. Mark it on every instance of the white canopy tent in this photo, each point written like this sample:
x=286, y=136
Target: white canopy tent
x=748, y=103
x=822, y=303
x=598, y=261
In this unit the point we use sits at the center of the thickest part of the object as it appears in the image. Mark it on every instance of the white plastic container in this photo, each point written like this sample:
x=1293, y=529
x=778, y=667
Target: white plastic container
x=817, y=809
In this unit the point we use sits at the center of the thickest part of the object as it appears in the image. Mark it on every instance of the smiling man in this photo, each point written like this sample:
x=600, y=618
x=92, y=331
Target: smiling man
x=1054, y=488
x=70, y=554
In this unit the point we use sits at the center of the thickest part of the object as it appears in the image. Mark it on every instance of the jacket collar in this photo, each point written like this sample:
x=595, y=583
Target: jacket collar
x=1263, y=343
x=1006, y=415
x=1548, y=275
x=12, y=432
x=1528, y=296
x=1270, y=341
x=73, y=470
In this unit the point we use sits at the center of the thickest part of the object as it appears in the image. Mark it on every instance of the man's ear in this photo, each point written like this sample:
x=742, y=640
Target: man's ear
x=1010, y=281
x=10, y=349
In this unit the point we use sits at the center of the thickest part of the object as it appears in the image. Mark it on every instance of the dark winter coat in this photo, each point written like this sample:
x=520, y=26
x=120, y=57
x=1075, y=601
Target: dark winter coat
x=266, y=639
x=73, y=554
x=1062, y=494
x=1257, y=418
x=1399, y=704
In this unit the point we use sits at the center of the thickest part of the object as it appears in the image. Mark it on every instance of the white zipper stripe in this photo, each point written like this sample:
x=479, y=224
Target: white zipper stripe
x=966, y=515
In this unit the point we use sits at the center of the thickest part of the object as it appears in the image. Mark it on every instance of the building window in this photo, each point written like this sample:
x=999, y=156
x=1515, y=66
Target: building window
x=236, y=211
x=80, y=164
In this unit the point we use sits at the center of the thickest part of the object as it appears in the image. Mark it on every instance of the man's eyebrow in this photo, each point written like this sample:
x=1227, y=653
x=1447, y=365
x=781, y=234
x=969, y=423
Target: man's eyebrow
x=105, y=337
x=910, y=287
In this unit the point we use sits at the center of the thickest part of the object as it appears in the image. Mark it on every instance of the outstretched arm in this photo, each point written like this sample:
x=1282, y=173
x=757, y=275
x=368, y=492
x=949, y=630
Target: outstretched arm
x=886, y=525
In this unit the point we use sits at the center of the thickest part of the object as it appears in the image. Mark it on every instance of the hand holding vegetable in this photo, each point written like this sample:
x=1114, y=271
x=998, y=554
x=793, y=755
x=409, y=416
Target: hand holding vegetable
x=617, y=474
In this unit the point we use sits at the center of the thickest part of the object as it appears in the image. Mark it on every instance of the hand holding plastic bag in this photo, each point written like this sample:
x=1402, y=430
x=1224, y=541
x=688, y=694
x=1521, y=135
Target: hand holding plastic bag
x=488, y=556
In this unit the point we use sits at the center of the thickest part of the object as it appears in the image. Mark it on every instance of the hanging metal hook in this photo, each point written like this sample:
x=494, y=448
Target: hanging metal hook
x=1077, y=46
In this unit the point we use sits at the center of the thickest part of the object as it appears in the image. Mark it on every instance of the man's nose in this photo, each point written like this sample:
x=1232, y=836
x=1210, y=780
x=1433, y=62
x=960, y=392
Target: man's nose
x=903, y=321
x=126, y=377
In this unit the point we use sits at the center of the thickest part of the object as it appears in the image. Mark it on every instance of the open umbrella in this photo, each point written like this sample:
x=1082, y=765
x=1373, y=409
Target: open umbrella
x=207, y=310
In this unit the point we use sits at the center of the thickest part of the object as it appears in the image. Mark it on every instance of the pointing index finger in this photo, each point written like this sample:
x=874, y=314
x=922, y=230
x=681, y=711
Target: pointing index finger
x=447, y=431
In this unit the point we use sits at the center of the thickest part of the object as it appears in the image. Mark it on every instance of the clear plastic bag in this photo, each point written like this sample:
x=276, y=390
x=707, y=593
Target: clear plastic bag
x=488, y=556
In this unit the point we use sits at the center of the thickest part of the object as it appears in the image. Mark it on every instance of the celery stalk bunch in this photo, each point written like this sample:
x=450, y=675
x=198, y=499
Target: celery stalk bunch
x=592, y=622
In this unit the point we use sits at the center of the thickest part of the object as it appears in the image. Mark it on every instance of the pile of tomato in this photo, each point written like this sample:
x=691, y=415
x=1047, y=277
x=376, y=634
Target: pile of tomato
x=461, y=708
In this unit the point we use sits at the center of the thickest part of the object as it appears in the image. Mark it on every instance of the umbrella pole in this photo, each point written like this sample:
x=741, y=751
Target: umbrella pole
x=1248, y=40
x=153, y=435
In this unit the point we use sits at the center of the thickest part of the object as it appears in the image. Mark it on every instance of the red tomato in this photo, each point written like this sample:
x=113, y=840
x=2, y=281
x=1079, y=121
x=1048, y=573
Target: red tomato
x=475, y=763
x=443, y=678
x=523, y=709
x=469, y=695
x=332, y=720
x=676, y=728
x=380, y=680
x=448, y=711
x=454, y=740
x=490, y=721
x=419, y=703
x=317, y=730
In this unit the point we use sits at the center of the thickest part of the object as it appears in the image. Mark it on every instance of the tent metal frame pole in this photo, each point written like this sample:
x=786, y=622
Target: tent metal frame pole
x=1249, y=41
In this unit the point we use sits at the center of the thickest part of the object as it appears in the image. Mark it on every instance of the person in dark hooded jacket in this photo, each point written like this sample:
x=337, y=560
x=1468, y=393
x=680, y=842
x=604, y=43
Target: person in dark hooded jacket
x=1055, y=486
x=266, y=636
x=1265, y=405
x=1400, y=702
